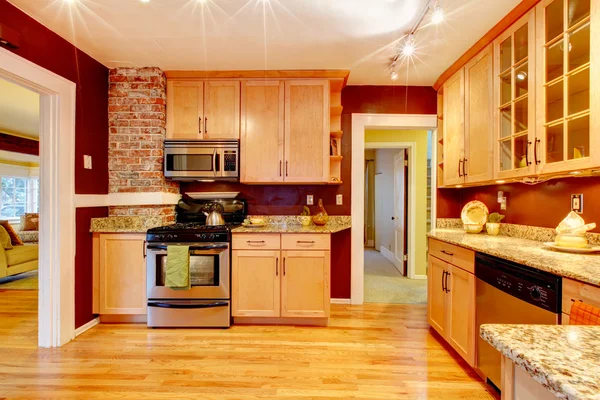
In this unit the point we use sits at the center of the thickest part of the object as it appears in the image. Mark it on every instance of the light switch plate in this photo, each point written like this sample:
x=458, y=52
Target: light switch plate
x=339, y=200
x=87, y=162
x=577, y=203
x=310, y=200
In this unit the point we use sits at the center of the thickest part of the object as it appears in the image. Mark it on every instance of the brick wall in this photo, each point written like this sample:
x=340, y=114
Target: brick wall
x=137, y=121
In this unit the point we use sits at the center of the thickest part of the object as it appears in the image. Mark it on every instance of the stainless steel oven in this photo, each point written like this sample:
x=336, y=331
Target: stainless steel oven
x=202, y=160
x=206, y=303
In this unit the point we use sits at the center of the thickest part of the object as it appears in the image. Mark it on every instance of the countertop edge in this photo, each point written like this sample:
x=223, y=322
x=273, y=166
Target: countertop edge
x=299, y=229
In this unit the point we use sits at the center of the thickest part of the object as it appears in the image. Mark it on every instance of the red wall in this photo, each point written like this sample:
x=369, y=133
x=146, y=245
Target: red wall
x=289, y=199
x=544, y=205
x=48, y=50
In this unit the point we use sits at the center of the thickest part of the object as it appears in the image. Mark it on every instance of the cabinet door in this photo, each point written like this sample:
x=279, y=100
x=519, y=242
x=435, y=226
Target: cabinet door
x=454, y=133
x=567, y=130
x=255, y=283
x=222, y=110
x=184, y=109
x=460, y=328
x=307, y=131
x=305, y=284
x=479, y=116
x=122, y=274
x=514, y=91
x=436, y=302
x=262, y=132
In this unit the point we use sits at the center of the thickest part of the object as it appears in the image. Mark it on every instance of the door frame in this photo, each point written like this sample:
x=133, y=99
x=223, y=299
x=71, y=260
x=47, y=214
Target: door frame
x=56, y=259
x=360, y=123
x=411, y=148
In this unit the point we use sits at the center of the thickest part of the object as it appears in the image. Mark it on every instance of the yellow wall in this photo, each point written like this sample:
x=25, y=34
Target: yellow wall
x=420, y=138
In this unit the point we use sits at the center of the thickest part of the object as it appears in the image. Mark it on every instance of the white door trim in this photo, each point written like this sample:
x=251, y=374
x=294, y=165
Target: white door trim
x=56, y=304
x=361, y=122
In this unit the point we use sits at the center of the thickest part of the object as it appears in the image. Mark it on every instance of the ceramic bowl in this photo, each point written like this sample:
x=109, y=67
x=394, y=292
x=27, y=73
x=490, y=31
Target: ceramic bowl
x=473, y=228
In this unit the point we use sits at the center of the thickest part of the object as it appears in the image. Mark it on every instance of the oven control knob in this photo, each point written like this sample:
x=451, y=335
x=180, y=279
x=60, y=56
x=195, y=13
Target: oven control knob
x=212, y=236
x=203, y=236
x=535, y=293
x=169, y=237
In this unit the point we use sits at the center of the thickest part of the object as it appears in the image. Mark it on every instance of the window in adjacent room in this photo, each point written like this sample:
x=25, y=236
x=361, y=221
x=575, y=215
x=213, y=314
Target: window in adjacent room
x=18, y=196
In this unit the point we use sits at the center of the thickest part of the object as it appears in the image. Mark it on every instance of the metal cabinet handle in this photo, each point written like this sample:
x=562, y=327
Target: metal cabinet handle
x=277, y=266
x=459, y=169
x=200, y=125
x=447, y=275
x=144, y=249
x=254, y=241
x=529, y=143
x=286, y=168
x=443, y=280
x=535, y=151
x=465, y=167
x=305, y=241
x=283, y=266
x=280, y=167
x=447, y=253
x=206, y=125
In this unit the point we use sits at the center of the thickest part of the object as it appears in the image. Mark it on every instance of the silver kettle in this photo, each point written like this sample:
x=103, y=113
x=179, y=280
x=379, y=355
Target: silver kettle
x=214, y=216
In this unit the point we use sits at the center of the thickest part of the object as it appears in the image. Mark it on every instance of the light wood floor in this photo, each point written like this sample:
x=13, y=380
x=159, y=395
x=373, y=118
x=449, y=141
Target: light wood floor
x=367, y=352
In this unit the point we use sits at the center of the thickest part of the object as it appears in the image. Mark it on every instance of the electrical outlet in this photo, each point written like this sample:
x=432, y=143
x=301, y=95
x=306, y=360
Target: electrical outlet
x=339, y=200
x=577, y=203
x=87, y=162
x=310, y=200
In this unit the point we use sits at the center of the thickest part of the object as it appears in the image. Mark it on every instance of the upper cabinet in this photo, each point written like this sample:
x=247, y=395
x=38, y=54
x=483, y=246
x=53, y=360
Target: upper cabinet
x=206, y=110
x=514, y=92
x=569, y=134
x=467, y=127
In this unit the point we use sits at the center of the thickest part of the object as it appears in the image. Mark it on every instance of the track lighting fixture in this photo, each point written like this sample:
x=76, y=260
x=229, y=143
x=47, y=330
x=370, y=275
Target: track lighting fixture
x=437, y=15
x=409, y=46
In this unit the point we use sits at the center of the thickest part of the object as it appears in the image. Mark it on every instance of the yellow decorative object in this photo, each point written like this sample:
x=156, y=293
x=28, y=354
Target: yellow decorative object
x=577, y=153
x=321, y=217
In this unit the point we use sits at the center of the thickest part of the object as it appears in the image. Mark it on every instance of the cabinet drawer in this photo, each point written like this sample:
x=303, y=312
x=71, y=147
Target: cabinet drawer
x=255, y=241
x=579, y=291
x=452, y=254
x=303, y=241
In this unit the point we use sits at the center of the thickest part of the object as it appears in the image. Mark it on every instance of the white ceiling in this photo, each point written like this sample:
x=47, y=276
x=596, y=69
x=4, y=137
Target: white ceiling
x=360, y=35
x=19, y=110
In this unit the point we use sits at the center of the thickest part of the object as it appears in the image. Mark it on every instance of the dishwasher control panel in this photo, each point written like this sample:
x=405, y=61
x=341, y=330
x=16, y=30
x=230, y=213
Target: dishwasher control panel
x=532, y=286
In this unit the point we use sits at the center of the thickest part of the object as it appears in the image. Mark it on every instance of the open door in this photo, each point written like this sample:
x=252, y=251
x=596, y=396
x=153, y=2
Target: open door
x=401, y=210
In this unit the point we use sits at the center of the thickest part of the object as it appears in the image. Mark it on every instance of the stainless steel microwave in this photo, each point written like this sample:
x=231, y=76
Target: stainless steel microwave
x=206, y=160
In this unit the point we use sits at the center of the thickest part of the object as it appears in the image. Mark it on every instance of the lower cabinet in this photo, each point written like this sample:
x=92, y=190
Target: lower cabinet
x=279, y=281
x=451, y=306
x=119, y=269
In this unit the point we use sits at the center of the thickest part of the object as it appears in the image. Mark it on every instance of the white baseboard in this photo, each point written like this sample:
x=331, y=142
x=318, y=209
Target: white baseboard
x=87, y=326
x=340, y=301
x=419, y=277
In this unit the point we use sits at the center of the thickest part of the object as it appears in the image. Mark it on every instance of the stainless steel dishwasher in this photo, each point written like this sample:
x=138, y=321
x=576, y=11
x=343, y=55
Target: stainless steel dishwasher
x=510, y=293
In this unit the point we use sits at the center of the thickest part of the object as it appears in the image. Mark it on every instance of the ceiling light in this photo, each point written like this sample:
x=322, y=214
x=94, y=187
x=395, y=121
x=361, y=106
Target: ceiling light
x=522, y=75
x=437, y=15
x=501, y=181
x=458, y=186
x=145, y=1
x=576, y=173
x=393, y=75
x=409, y=46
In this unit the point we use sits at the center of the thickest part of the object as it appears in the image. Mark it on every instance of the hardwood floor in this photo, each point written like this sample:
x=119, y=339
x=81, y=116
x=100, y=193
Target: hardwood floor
x=368, y=352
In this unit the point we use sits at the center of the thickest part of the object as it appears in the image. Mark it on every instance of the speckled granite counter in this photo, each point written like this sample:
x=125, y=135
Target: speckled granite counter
x=564, y=359
x=125, y=224
x=289, y=224
x=584, y=268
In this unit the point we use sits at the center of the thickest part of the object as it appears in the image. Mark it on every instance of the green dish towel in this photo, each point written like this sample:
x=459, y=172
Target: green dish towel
x=177, y=274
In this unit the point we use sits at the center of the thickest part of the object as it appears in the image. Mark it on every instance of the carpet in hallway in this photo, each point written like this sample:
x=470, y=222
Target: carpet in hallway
x=384, y=284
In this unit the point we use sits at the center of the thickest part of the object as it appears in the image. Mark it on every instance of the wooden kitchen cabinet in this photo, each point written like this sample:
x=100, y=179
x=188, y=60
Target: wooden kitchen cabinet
x=255, y=283
x=451, y=305
x=478, y=163
x=280, y=283
x=262, y=135
x=305, y=284
x=198, y=109
x=307, y=112
x=119, y=273
x=575, y=291
x=454, y=129
x=185, y=109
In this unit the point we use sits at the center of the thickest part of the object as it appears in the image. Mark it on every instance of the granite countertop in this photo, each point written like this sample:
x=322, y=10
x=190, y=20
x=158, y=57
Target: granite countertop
x=584, y=268
x=565, y=359
x=290, y=224
x=131, y=224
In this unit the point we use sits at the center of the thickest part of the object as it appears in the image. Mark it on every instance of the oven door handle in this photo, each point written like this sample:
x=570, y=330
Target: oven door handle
x=166, y=304
x=211, y=247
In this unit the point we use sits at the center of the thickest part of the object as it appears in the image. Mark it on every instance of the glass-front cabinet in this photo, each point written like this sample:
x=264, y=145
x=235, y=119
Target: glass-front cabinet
x=568, y=132
x=514, y=91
